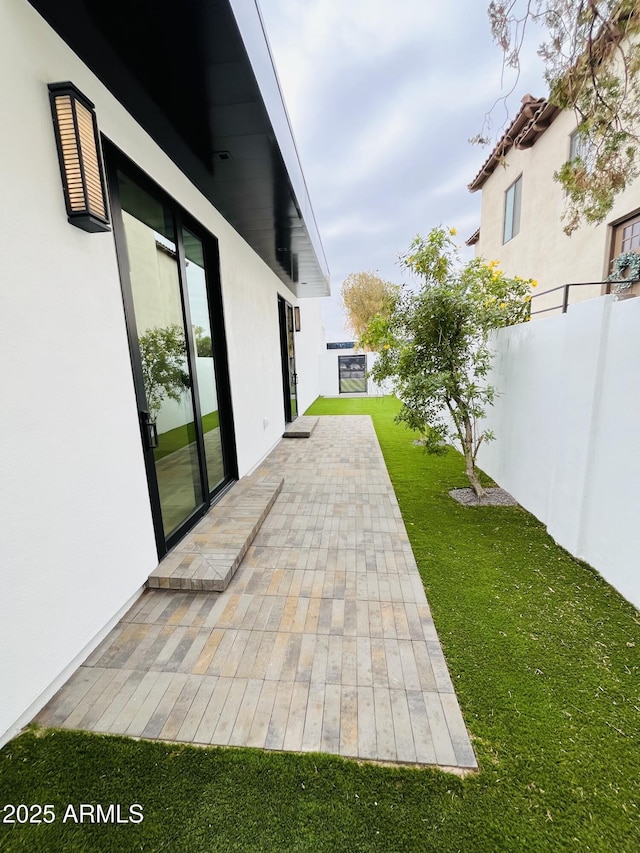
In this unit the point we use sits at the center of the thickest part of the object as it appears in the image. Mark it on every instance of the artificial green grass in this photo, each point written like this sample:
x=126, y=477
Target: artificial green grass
x=544, y=657
x=174, y=439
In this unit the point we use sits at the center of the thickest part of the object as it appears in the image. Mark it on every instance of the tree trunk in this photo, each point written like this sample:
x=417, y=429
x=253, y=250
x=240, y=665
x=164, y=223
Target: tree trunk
x=473, y=479
x=467, y=447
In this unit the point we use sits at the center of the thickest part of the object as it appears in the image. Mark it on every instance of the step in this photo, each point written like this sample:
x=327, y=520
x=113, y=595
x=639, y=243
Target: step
x=209, y=555
x=302, y=427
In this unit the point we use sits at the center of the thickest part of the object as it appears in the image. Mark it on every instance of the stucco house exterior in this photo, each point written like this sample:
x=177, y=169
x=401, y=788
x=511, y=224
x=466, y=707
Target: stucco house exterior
x=567, y=414
x=521, y=217
x=150, y=356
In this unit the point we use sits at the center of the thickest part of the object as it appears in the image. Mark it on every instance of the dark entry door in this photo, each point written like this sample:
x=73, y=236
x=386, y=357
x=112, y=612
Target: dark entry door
x=352, y=374
x=176, y=337
x=288, y=352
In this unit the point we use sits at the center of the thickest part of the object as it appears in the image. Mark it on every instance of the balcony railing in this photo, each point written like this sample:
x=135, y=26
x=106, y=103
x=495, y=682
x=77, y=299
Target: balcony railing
x=565, y=295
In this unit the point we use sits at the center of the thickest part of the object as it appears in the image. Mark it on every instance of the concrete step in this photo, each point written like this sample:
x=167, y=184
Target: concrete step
x=302, y=427
x=209, y=555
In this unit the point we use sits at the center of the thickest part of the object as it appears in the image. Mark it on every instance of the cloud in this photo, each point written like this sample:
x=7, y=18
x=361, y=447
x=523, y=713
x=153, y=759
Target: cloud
x=383, y=100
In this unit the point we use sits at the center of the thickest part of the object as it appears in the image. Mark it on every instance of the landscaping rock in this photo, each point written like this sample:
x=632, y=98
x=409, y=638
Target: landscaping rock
x=493, y=497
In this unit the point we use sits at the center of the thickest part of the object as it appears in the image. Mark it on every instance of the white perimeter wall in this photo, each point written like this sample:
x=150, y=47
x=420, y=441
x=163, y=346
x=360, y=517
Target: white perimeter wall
x=76, y=534
x=567, y=428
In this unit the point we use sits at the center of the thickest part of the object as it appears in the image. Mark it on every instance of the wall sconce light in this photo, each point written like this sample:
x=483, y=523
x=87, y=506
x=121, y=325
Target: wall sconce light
x=76, y=129
x=296, y=318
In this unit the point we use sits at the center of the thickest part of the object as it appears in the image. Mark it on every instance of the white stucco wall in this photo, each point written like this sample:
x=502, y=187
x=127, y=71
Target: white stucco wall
x=566, y=426
x=541, y=250
x=329, y=372
x=610, y=534
x=525, y=414
x=309, y=343
x=76, y=532
x=76, y=535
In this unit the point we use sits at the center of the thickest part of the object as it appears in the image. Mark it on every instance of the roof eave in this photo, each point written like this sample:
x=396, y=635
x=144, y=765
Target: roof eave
x=202, y=84
x=530, y=123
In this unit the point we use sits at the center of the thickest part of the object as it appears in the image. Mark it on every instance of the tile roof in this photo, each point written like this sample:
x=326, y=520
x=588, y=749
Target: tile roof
x=473, y=239
x=534, y=117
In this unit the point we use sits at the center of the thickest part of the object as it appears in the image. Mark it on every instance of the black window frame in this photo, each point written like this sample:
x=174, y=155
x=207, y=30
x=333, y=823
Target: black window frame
x=116, y=160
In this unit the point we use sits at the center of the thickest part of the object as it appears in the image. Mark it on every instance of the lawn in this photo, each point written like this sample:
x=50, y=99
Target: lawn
x=179, y=437
x=544, y=657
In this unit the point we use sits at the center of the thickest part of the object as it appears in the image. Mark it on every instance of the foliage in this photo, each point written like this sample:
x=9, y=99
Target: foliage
x=433, y=344
x=364, y=295
x=175, y=439
x=204, y=348
x=592, y=59
x=625, y=271
x=164, y=365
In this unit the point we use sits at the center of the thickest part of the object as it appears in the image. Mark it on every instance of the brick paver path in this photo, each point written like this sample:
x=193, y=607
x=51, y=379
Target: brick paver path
x=323, y=640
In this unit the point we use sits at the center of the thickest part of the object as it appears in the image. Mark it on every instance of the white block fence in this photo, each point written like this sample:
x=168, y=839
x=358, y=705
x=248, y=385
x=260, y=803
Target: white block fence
x=567, y=426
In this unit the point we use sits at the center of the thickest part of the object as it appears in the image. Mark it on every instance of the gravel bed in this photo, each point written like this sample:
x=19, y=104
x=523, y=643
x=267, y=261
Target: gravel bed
x=493, y=497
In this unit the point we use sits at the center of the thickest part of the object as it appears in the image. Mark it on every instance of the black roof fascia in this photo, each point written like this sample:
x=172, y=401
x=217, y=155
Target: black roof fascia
x=199, y=78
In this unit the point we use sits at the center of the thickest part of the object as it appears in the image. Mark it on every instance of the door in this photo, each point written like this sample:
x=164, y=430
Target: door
x=626, y=240
x=288, y=352
x=176, y=337
x=352, y=374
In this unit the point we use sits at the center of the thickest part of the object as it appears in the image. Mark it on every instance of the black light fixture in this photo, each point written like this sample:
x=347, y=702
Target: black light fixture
x=296, y=318
x=76, y=129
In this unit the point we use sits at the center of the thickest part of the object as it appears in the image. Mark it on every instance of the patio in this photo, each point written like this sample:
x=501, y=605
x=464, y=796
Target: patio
x=323, y=640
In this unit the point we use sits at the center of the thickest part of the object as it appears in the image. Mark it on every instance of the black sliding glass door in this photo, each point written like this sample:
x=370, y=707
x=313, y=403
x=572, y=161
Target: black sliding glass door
x=200, y=311
x=176, y=334
x=288, y=355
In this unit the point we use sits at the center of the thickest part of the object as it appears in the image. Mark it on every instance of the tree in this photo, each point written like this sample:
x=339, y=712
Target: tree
x=365, y=294
x=434, y=343
x=591, y=59
x=204, y=347
x=164, y=366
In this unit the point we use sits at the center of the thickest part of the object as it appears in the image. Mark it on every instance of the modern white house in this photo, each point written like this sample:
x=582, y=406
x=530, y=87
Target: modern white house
x=161, y=280
x=522, y=206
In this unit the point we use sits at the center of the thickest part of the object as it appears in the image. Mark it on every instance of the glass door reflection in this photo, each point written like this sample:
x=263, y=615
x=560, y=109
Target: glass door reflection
x=155, y=285
x=205, y=365
x=291, y=354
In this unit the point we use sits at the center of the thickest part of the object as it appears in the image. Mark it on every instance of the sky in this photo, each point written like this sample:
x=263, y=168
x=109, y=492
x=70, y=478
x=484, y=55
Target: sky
x=383, y=98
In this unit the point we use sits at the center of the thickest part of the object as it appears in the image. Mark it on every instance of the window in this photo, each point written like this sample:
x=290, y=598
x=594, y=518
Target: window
x=629, y=236
x=512, y=204
x=581, y=146
x=576, y=145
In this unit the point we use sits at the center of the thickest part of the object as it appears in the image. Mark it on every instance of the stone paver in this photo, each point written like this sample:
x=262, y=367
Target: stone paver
x=323, y=640
x=302, y=427
x=209, y=555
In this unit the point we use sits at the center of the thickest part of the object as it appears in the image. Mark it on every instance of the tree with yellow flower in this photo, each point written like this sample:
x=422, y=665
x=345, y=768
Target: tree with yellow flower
x=434, y=343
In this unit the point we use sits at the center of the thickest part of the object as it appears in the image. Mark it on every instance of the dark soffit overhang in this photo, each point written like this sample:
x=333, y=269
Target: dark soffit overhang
x=199, y=77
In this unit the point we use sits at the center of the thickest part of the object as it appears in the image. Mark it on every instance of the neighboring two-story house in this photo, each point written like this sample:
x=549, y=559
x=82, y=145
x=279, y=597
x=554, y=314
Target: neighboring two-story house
x=522, y=206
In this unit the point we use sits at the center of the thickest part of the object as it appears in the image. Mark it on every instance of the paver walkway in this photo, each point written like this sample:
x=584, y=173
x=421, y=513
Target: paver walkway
x=323, y=640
